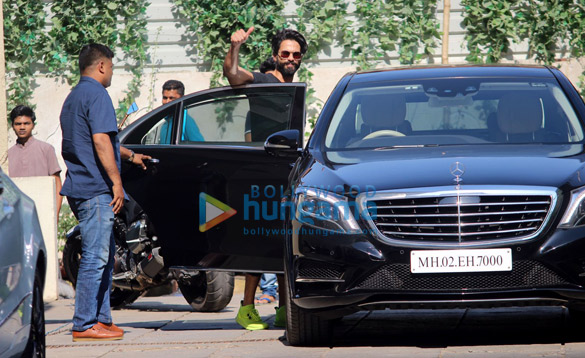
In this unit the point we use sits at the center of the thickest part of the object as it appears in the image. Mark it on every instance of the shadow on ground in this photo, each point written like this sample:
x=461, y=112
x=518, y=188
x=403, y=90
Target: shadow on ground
x=414, y=328
x=473, y=327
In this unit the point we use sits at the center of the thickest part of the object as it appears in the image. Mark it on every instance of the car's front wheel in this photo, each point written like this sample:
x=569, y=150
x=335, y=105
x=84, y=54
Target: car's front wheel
x=209, y=291
x=303, y=327
x=35, y=347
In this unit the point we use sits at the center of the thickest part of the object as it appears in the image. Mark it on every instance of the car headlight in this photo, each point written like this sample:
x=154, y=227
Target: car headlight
x=325, y=210
x=575, y=213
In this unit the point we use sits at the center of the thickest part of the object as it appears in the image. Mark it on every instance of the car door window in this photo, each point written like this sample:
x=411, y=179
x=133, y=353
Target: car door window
x=8, y=200
x=161, y=129
x=237, y=119
x=241, y=116
x=157, y=129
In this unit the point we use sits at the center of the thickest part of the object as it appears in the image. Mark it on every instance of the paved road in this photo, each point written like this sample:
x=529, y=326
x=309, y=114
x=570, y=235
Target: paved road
x=159, y=326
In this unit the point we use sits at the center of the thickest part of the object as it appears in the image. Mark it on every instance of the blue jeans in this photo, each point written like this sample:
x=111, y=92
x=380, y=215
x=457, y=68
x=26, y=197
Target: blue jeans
x=268, y=284
x=94, y=279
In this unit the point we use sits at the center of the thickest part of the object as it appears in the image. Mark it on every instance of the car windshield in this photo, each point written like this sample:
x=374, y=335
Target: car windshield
x=453, y=111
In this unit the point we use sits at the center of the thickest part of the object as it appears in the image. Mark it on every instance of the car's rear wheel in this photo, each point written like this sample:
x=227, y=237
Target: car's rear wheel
x=209, y=291
x=35, y=346
x=303, y=327
x=71, y=259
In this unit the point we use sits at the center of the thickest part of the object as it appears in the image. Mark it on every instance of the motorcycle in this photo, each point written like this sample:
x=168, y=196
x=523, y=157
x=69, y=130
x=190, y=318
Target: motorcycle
x=139, y=265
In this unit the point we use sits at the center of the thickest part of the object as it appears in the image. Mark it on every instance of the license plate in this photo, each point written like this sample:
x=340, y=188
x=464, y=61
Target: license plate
x=475, y=260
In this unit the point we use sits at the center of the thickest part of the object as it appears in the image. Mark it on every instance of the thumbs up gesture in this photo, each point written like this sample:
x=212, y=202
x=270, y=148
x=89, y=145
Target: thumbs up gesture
x=240, y=36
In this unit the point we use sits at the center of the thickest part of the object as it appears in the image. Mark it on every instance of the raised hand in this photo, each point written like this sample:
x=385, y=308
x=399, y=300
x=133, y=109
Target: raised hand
x=240, y=36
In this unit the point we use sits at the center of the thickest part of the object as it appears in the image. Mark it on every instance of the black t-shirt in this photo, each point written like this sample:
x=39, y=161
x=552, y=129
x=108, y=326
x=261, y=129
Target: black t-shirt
x=260, y=77
x=266, y=115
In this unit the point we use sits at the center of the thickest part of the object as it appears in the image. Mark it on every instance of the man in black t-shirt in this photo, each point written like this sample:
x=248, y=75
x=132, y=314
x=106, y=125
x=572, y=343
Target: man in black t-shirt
x=288, y=48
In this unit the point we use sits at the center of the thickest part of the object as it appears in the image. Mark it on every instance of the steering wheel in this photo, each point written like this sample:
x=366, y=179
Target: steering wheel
x=383, y=133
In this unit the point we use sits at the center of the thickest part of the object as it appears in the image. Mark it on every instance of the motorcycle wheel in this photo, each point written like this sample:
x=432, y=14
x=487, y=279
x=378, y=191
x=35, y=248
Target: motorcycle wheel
x=210, y=291
x=71, y=258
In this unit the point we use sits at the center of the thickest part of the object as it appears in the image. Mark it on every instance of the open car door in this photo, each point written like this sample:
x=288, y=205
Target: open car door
x=214, y=196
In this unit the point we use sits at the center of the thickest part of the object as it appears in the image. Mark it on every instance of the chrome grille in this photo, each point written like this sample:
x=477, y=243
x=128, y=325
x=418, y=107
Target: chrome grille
x=461, y=216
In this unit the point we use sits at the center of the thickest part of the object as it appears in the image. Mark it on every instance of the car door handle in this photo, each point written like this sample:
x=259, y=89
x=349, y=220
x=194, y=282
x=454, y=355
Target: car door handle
x=152, y=161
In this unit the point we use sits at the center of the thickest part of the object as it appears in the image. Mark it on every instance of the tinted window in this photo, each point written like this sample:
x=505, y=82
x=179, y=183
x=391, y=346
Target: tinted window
x=236, y=119
x=454, y=111
x=157, y=129
x=241, y=116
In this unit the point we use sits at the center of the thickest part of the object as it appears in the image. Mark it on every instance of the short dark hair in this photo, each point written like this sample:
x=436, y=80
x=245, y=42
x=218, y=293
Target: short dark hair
x=91, y=53
x=288, y=34
x=268, y=65
x=174, y=85
x=22, y=110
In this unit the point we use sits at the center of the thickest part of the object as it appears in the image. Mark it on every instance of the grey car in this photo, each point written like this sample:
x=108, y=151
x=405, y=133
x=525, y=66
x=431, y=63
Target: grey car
x=22, y=274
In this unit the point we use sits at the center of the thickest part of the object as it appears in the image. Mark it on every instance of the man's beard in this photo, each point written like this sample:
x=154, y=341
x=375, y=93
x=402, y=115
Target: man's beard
x=285, y=71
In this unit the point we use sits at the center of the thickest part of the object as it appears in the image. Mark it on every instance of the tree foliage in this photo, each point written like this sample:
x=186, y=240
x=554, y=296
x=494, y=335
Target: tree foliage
x=409, y=27
x=490, y=26
x=119, y=24
x=214, y=21
x=24, y=41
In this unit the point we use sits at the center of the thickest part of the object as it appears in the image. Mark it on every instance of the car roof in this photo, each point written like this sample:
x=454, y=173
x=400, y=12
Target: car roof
x=450, y=71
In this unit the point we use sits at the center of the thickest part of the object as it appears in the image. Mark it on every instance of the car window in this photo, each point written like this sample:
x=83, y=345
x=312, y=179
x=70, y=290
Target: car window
x=452, y=112
x=161, y=128
x=240, y=119
x=157, y=129
x=8, y=199
x=241, y=116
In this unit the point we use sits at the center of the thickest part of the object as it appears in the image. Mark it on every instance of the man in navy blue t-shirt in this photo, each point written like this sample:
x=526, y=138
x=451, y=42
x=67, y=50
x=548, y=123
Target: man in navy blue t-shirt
x=93, y=188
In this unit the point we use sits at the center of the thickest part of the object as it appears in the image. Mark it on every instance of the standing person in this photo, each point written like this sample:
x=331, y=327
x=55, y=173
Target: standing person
x=31, y=157
x=172, y=90
x=288, y=48
x=93, y=187
x=268, y=284
x=269, y=67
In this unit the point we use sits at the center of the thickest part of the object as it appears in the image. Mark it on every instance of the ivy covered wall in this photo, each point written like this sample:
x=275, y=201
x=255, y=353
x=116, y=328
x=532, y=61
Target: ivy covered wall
x=154, y=37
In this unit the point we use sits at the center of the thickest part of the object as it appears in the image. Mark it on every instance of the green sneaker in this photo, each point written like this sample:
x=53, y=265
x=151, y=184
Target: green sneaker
x=280, y=318
x=249, y=318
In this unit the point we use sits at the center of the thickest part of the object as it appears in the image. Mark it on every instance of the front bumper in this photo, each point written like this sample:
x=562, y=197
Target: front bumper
x=331, y=271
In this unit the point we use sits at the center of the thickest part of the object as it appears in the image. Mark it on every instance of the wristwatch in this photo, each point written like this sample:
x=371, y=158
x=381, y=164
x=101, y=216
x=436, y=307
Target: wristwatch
x=131, y=157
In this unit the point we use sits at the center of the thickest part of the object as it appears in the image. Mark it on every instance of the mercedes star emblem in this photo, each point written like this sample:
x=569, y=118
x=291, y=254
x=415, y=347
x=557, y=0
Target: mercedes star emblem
x=457, y=170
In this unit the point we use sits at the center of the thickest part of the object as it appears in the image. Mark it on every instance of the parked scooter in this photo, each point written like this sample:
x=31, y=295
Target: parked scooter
x=139, y=265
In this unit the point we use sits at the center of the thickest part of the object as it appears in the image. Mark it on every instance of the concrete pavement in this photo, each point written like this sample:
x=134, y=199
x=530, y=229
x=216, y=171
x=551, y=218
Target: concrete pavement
x=166, y=325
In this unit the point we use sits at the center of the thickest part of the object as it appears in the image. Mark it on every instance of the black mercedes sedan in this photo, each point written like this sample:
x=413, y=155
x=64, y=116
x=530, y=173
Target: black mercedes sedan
x=420, y=187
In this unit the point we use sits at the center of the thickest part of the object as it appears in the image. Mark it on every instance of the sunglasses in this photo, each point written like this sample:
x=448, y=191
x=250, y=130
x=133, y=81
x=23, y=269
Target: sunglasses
x=286, y=54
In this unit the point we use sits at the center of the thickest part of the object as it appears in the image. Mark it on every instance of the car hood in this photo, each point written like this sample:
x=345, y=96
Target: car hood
x=398, y=168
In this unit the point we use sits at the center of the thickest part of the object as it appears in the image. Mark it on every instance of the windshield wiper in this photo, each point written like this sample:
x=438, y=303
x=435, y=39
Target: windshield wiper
x=406, y=146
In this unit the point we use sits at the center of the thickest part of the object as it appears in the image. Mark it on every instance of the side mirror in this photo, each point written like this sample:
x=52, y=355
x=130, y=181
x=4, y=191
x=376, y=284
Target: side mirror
x=283, y=144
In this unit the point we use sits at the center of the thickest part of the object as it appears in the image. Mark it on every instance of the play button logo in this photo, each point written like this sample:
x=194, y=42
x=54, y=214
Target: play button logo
x=212, y=212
